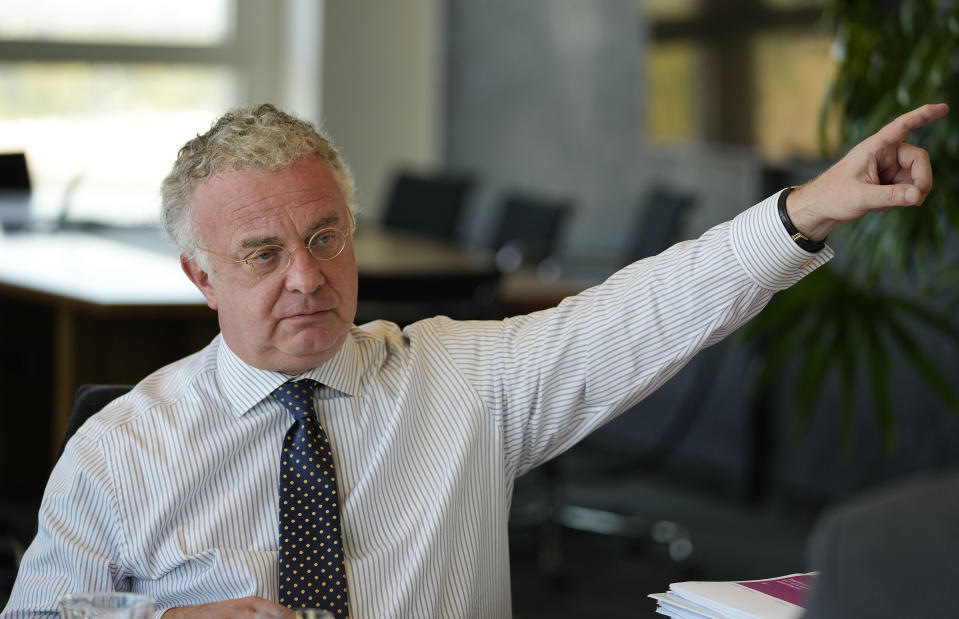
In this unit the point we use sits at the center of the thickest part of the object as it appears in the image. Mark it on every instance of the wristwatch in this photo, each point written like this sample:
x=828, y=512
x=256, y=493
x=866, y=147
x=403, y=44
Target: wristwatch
x=801, y=239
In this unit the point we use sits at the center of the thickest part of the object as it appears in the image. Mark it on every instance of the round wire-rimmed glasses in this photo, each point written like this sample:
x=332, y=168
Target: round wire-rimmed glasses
x=264, y=260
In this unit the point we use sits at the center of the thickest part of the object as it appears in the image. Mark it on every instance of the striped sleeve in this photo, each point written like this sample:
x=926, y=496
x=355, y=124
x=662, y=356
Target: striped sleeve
x=79, y=536
x=765, y=250
x=552, y=377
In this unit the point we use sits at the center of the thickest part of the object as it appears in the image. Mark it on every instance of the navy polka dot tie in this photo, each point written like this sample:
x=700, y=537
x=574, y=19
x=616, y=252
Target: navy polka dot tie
x=312, y=571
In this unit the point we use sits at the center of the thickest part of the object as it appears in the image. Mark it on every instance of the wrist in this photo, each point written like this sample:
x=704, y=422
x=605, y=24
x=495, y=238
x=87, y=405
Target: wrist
x=796, y=207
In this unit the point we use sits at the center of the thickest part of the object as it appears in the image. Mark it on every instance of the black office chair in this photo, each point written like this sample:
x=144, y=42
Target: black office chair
x=15, y=191
x=428, y=204
x=404, y=300
x=528, y=230
x=89, y=399
x=662, y=215
x=611, y=457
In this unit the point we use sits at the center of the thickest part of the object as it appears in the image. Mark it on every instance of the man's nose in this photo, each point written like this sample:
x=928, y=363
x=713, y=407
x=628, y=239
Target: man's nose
x=305, y=273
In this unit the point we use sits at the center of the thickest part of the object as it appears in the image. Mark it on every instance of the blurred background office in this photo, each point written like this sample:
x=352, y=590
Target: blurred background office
x=559, y=139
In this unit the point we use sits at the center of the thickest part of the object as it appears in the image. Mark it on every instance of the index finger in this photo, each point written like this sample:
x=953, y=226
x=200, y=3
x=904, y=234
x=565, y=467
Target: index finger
x=899, y=129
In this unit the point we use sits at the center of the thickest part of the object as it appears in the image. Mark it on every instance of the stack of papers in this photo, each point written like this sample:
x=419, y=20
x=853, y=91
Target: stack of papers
x=771, y=598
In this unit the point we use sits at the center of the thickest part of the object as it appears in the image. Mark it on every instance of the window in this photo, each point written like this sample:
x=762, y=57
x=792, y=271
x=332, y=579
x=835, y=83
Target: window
x=740, y=71
x=793, y=71
x=173, y=22
x=99, y=137
x=673, y=104
x=100, y=95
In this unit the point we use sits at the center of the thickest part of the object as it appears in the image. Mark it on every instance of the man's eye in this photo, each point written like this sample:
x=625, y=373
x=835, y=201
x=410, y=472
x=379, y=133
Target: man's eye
x=264, y=255
x=324, y=238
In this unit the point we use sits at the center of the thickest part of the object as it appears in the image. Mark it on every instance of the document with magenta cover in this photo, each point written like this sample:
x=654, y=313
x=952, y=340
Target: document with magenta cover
x=771, y=598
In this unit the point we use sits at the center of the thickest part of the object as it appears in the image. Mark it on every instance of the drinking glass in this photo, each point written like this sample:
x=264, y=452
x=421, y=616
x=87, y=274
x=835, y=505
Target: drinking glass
x=313, y=613
x=106, y=606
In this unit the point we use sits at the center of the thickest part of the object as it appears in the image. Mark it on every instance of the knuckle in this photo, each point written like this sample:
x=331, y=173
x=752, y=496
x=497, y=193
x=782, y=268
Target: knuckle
x=889, y=195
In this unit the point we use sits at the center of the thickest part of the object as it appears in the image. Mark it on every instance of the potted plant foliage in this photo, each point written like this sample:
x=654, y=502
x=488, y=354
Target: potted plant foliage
x=899, y=270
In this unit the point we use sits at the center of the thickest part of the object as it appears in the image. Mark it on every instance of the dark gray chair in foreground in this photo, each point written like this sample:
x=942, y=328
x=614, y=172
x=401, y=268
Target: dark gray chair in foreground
x=889, y=553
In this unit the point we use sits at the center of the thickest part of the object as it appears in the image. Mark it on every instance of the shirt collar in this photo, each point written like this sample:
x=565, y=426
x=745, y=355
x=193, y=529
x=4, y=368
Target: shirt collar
x=244, y=386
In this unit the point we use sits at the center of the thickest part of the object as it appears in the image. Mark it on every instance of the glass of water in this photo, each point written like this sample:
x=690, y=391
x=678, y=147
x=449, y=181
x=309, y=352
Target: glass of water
x=106, y=606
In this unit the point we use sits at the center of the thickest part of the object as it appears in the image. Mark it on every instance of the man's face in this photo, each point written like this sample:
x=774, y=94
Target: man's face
x=290, y=321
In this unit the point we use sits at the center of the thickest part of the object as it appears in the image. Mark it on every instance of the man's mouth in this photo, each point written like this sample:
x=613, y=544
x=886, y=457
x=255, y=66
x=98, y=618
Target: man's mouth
x=306, y=314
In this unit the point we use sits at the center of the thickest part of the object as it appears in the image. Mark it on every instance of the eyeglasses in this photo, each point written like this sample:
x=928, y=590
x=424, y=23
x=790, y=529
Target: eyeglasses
x=265, y=260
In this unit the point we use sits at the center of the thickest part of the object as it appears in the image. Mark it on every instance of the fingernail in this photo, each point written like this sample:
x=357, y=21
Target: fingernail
x=912, y=195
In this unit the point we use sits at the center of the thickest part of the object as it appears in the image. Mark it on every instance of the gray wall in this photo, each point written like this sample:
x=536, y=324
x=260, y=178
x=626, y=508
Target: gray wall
x=382, y=89
x=544, y=96
x=547, y=96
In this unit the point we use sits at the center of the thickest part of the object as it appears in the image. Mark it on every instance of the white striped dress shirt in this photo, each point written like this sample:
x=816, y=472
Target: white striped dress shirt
x=171, y=491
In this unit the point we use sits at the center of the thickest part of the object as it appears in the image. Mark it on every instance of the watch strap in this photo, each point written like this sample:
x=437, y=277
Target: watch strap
x=801, y=239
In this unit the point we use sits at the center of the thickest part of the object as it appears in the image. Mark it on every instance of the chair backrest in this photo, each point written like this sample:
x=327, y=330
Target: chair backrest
x=13, y=172
x=89, y=400
x=660, y=222
x=428, y=204
x=535, y=222
x=890, y=552
x=14, y=191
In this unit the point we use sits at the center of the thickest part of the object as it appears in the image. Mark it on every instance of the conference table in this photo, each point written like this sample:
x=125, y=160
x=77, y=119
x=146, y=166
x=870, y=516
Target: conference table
x=112, y=306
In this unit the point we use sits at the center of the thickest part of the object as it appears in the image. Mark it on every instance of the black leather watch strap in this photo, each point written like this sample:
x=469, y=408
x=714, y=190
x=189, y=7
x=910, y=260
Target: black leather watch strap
x=801, y=239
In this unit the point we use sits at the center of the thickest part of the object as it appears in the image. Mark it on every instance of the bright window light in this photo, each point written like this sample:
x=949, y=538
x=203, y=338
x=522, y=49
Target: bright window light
x=170, y=22
x=100, y=134
x=99, y=138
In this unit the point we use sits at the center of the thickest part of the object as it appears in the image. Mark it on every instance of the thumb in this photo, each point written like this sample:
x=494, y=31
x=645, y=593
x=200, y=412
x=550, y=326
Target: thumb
x=880, y=197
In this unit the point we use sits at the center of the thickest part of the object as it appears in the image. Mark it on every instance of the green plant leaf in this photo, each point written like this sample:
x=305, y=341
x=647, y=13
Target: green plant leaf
x=924, y=366
x=898, y=274
x=877, y=365
x=812, y=375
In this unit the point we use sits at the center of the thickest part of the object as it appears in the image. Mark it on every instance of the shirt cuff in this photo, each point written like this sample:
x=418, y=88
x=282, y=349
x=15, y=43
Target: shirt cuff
x=767, y=252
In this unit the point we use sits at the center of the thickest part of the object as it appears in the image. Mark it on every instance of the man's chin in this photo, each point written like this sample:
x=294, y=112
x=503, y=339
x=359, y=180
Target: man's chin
x=309, y=350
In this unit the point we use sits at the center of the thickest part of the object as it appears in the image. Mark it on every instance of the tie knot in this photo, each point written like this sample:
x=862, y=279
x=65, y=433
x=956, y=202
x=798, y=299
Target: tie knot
x=297, y=397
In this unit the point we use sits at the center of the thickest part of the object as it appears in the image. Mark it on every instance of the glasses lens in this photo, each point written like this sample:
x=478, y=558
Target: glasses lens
x=267, y=259
x=327, y=244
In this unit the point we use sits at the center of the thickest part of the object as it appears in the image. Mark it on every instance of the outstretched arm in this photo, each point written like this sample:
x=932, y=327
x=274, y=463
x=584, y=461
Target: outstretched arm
x=879, y=173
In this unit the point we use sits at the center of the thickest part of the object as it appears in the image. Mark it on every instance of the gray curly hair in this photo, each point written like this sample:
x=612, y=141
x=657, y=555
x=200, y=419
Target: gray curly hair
x=255, y=138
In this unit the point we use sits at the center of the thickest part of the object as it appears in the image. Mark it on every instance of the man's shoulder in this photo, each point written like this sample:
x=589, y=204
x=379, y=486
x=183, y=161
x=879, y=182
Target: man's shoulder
x=375, y=331
x=390, y=339
x=435, y=331
x=163, y=392
x=382, y=343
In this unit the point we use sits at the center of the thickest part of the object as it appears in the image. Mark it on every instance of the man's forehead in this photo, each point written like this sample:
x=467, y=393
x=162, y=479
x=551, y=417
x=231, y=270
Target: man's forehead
x=309, y=176
x=263, y=235
x=309, y=166
x=279, y=216
x=263, y=202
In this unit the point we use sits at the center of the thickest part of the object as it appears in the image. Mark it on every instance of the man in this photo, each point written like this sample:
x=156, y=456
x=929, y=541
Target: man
x=173, y=490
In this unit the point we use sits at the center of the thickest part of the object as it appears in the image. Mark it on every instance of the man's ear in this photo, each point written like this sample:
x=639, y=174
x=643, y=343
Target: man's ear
x=200, y=279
